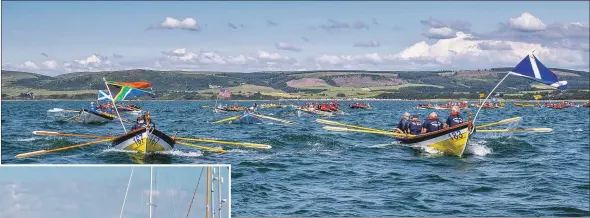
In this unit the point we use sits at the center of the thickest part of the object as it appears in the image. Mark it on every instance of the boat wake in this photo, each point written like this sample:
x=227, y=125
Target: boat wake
x=27, y=139
x=478, y=148
x=180, y=153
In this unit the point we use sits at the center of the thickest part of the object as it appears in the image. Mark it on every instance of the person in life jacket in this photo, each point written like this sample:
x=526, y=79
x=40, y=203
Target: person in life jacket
x=432, y=123
x=414, y=127
x=138, y=124
x=253, y=108
x=455, y=117
x=91, y=107
x=402, y=126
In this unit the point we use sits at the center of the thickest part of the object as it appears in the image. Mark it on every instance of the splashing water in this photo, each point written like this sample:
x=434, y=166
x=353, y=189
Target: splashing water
x=478, y=148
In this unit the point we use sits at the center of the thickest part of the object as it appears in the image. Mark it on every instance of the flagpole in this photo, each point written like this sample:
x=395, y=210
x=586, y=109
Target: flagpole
x=490, y=94
x=113, y=100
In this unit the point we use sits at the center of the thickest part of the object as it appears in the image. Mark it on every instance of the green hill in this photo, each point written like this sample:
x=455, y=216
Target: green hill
x=301, y=84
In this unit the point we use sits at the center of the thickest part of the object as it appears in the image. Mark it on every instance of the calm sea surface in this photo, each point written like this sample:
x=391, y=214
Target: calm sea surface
x=313, y=172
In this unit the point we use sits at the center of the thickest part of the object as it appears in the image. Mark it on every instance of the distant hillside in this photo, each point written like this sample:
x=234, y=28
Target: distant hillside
x=301, y=84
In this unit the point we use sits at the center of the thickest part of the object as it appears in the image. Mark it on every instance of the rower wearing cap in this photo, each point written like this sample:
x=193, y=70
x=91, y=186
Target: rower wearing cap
x=91, y=107
x=432, y=123
x=415, y=126
x=455, y=117
x=402, y=126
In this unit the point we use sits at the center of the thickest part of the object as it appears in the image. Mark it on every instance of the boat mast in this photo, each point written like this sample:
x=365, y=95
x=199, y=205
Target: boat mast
x=219, y=182
x=151, y=189
x=113, y=100
x=213, y=193
x=208, y=192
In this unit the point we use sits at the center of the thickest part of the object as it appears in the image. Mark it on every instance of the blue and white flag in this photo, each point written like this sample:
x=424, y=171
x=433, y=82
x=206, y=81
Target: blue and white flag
x=530, y=67
x=103, y=96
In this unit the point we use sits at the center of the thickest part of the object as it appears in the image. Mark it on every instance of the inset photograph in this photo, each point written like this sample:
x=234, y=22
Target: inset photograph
x=201, y=191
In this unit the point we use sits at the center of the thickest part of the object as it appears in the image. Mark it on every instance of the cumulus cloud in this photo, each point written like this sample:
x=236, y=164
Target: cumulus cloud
x=529, y=29
x=372, y=43
x=440, y=33
x=172, y=23
x=527, y=22
x=29, y=65
x=287, y=46
x=271, y=23
x=444, y=29
x=52, y=64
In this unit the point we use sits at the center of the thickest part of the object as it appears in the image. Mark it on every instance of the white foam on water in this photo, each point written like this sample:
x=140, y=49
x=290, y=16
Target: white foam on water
x=180, y=153
x=478, y=148
x=26, y=140
x=578, y=130
x=238, y=151
x=379, y=145
x=55, y=110
x=112, y=149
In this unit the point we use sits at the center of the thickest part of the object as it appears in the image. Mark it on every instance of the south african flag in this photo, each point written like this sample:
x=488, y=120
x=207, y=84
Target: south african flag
x=125, y=90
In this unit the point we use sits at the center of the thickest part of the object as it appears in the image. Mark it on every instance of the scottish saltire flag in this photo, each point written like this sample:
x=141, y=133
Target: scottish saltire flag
x=103, y=95
x=225, y=93
x=530, y=67
x=125, y=90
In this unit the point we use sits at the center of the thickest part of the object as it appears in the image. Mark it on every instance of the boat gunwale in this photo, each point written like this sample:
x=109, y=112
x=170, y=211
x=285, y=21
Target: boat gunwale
x=131, y=134
x=431, y=135
x=97, y=114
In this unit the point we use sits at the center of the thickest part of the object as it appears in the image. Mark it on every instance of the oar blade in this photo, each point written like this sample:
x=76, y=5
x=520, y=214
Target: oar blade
x=201, y=147
x=34, y=153
x=245, y=144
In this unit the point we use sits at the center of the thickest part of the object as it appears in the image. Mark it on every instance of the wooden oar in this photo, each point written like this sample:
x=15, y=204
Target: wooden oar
x=516, y=130
x=34, y=153
x=201, y=147
x=272, y=118
x=348, y=125
x=245, y=144
x=228, y=119
x=344, y=129
x=514, y=119
x=71, y=135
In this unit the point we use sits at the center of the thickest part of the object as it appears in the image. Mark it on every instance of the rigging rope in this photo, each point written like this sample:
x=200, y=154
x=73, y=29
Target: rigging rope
x=171, y=196
x=194, y=193
x=126, y=191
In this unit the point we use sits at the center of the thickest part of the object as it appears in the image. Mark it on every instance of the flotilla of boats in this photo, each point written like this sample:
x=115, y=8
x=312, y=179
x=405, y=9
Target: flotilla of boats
x=451, y=140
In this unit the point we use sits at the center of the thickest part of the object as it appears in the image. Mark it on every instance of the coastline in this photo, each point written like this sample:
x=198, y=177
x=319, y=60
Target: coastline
x=345, y=100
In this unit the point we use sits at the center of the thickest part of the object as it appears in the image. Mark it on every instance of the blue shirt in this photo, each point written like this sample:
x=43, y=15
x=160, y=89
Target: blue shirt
x=92, y=108
x=432, y=125
x=403, y=124
x=415, y=127
x=453, y=120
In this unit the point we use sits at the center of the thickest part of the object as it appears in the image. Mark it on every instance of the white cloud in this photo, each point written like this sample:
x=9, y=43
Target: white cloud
x=440, y=33
x=373, y=43
x=527, y=22
x=172, y=23
x=30, y=65
x=52, y=64
x=287, y=46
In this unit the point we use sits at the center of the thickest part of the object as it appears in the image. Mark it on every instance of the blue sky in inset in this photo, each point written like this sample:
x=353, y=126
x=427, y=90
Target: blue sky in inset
x=82, y=191
x=58, y=37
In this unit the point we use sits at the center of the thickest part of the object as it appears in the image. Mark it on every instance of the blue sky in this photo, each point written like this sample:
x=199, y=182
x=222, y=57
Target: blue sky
x=83, y=191
x=59, y=37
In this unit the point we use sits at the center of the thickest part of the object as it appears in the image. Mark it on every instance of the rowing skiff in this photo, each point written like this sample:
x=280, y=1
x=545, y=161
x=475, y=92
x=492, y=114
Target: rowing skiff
x=319, y=112
x=144, y=140
x=87, y=116
x=246, y=119
x=450, y=141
